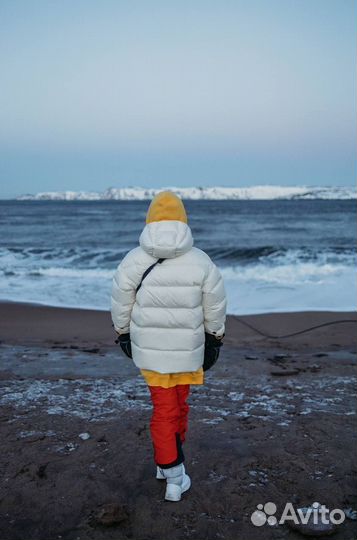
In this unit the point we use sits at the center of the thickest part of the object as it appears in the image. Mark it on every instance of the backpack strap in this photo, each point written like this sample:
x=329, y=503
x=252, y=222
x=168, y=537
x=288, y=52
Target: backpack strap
x=147, y=271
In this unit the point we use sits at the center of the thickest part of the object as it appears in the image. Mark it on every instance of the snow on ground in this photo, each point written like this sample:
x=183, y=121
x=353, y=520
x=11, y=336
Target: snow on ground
x=106, y=398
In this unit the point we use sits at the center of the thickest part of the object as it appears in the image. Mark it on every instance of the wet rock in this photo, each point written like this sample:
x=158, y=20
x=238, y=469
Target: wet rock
x=31, y=436
x=315, y=367
x=67, y=448
x=249, y=357
x=314, y=526
x=109, y=515
x=84, y=436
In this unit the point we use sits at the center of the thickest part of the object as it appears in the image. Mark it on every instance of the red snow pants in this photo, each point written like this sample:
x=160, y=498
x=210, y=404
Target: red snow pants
x=168, y=424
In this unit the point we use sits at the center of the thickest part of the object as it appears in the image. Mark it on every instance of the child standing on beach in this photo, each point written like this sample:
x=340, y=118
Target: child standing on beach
x=169, y=307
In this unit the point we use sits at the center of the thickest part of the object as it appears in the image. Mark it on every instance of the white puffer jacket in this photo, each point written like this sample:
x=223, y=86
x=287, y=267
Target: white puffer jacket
x=178, y=301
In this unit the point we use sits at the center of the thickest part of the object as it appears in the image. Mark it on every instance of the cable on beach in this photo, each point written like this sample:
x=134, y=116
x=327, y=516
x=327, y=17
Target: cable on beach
x=310, y=329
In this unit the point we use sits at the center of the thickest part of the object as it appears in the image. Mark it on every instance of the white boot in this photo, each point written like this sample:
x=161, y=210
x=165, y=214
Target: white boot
x=177, y=482
x=160, y=475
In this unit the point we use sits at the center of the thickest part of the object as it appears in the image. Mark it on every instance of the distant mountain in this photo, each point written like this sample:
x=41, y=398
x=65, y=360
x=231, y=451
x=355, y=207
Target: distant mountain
x=199, y=193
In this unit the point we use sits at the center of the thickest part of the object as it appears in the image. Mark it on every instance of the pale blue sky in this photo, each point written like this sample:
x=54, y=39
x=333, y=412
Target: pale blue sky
x=235, y=93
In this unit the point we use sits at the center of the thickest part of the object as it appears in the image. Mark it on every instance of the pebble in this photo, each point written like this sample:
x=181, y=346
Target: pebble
x=84, y=436
x=313, y=529
x=315, y=367
x=110, y=514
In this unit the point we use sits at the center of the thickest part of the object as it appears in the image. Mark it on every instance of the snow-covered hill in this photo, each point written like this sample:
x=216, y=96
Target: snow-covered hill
x=201, y=193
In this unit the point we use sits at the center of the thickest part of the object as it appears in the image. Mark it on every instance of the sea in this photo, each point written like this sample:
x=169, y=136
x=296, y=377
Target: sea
x=274, y=255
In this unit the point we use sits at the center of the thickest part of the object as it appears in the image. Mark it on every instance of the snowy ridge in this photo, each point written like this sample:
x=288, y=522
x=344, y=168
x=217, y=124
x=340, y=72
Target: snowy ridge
x=267, y=192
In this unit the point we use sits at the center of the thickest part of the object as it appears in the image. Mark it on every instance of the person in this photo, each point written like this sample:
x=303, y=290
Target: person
x=168, y=306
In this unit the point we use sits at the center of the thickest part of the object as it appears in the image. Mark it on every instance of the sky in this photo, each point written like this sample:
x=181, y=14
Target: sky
x=232, y=93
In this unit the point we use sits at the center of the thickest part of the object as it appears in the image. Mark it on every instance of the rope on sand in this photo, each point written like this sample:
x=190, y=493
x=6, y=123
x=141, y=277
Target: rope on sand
x=245, y=323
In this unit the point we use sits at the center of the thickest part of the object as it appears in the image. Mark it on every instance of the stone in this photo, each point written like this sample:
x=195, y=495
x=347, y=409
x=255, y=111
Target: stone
x=110, y=514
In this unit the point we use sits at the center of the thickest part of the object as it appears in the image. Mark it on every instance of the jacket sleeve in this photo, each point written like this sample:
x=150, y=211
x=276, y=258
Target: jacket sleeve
x=214, y=302
x=123, y=297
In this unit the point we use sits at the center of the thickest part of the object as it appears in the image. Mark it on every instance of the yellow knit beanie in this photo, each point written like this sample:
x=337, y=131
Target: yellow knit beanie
x=166, y=206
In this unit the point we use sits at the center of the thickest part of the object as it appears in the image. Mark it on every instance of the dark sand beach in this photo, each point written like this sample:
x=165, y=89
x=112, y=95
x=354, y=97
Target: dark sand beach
x=275, y=421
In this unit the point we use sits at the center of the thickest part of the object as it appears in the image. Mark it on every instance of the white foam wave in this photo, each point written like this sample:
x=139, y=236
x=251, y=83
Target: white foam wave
x=293, y=274
x=250, y=289
x=73, y=273
x=302, y=287
x=283, y=281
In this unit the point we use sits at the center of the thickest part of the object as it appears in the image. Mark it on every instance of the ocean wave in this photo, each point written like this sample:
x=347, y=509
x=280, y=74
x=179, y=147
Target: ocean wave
x=76, y=273
x=273, y=255
x=284, y=274
x=256, y=288
x=239, y=254
x=266, y=265
x=86, y=258
x=257, y=280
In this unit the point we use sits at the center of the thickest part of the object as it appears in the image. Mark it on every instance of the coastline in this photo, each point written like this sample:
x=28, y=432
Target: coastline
x=27, y=323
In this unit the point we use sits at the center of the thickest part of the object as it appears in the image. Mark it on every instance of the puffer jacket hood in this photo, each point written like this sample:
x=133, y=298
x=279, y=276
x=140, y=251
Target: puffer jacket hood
x=166, y=239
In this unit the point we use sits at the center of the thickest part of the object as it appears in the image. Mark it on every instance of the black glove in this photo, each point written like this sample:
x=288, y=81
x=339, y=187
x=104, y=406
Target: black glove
x=212, y=346
x=125, y=344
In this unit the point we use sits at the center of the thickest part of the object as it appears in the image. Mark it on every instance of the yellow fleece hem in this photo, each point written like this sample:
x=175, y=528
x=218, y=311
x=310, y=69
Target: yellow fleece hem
x=168, y=380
